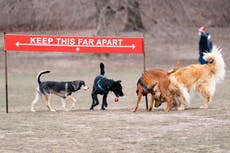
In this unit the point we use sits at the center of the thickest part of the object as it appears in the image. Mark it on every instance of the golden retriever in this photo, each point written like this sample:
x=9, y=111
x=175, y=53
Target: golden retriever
x=201, y=78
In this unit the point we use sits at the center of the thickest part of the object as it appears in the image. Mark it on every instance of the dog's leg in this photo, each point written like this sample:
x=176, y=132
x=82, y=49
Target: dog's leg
x=165, y=93
x=184, y=98
x=63, y=104
x=169, y=102
x=176, y=102
x=95, y=101
x=138, y=101
x=73, y=102
x=182, y=103
x=207, y=96
x=104, y=102
x=47, y=99
x=152, y=102
x=37, y=96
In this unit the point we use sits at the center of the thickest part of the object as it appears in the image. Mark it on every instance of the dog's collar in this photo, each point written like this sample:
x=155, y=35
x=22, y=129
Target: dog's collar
x=144, y=86
x=99, y=86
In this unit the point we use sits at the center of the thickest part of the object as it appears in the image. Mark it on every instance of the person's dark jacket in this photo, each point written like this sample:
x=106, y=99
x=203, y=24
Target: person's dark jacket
x=205, y=44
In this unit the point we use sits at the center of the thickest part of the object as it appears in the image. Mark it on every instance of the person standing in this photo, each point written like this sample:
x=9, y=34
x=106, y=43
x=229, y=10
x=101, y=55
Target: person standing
x=205, y=44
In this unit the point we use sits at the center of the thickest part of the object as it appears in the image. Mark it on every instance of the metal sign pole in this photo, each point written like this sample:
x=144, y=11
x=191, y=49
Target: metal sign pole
x=6, y=77
x=144, y=64
x=146, y=97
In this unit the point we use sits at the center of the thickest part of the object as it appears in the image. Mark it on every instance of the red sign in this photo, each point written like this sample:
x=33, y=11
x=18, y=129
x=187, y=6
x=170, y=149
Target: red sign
x=79, y=44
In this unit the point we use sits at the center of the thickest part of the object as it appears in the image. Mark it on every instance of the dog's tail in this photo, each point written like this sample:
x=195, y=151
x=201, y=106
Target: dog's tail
x=40, y=74
x=174, y=69
x=215, y=58
x=102, y=69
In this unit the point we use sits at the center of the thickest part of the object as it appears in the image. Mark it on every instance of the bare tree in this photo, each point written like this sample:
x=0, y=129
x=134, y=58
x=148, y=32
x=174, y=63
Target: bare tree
x=104, y=15
x=134, y=21
x=99, y=4
x=107, y=9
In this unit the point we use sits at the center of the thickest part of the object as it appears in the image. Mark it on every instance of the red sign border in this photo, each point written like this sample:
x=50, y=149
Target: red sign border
x=121, y=51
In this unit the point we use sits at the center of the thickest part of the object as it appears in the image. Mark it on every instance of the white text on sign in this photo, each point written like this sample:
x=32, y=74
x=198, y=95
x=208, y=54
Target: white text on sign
x=76, y=41
x=41, y=40
x=100, y=42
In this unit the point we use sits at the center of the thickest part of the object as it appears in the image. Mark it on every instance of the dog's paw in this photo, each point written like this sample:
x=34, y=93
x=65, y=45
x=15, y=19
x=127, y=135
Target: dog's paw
x=180, y=108
x=204, y=107
x=134, y=110
x=52, y=110
x=150, y=109
x=166, y=110
x=32, y=110
x=73, y=106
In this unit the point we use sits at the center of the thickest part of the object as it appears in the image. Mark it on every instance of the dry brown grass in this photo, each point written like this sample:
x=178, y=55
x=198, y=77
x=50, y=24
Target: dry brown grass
x=117, y=129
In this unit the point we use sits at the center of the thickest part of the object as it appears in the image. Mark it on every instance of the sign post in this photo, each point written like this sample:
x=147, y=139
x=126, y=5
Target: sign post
x=146, y=96
x=6, y=77
x=78, y=44
x=6, y=81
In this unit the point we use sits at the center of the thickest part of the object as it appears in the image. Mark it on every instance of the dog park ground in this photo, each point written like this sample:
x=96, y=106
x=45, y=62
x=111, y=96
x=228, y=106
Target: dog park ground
x=116, y=129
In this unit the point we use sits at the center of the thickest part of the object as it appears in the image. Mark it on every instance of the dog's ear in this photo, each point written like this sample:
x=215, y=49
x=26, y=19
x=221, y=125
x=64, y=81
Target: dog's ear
x=119, y=81
x=210, y=61
x=80, y=83
x=74, y=85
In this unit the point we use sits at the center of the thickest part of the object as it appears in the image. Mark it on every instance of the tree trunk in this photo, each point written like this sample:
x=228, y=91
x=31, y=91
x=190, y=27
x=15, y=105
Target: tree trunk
x=104, y=16
x=106, y=10
x=134, y=21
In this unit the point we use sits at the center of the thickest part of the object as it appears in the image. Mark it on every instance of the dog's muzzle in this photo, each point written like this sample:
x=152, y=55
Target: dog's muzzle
x=85, y=87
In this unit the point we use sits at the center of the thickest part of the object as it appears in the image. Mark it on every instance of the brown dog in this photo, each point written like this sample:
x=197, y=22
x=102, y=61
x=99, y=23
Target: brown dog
x=159, y=99
x=150, y=81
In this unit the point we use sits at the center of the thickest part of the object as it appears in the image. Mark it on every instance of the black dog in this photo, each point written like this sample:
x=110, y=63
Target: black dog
x=61, y=89
x=102, y=86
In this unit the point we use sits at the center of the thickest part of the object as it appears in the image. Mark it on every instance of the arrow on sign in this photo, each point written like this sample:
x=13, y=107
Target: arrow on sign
x=60, y=45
